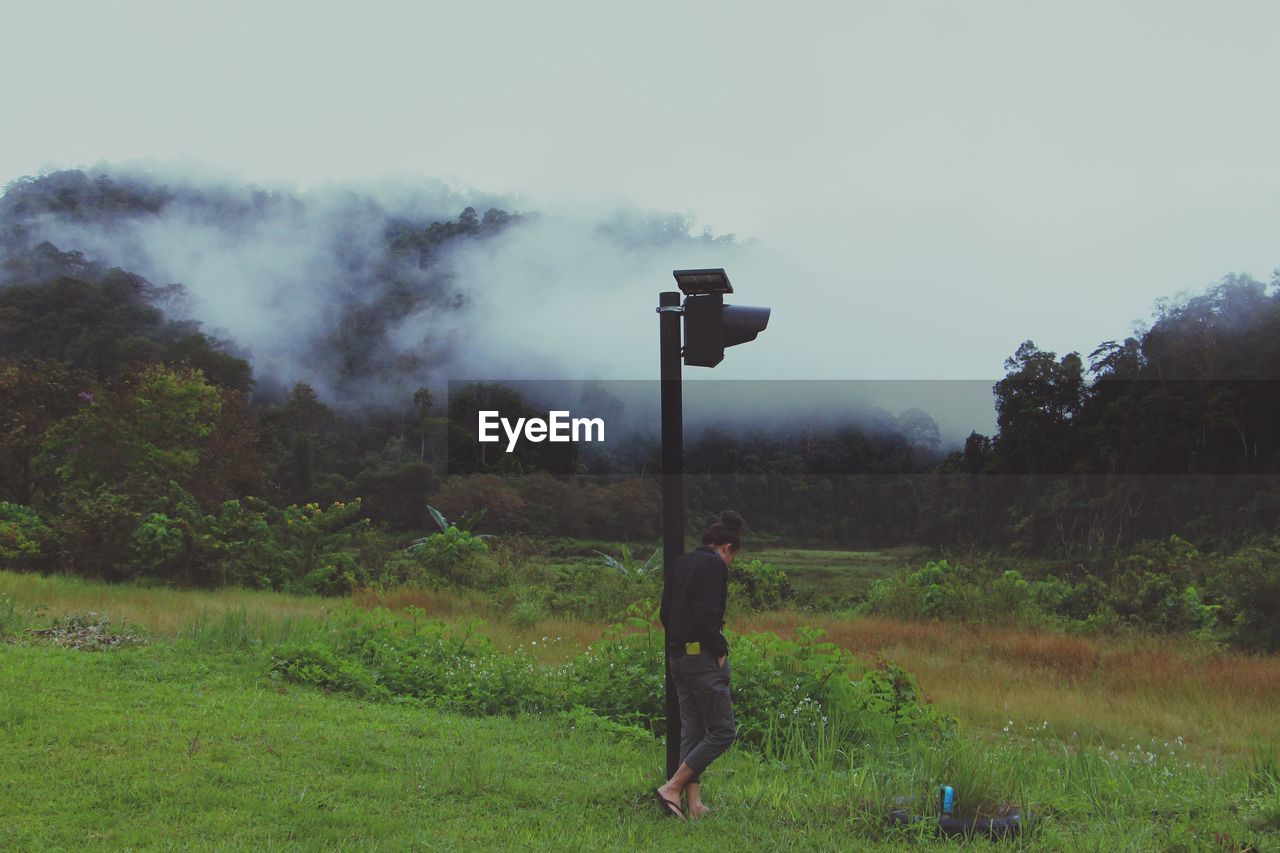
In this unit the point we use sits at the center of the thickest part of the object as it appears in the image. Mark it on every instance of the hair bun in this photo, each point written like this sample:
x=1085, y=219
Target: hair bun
x=726, y=530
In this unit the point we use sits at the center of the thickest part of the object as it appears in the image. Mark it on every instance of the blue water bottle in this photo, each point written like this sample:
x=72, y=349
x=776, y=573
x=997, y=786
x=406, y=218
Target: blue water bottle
x=946, y=798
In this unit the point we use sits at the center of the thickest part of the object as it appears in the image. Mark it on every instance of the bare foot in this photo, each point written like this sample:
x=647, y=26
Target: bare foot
x=669, y=801
x=699, y=810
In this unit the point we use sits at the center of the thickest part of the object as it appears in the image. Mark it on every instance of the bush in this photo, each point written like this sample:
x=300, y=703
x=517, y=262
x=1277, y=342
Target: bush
x=763, y=585
x=24, y=537
x=1163, y=586
x=299, y=548
x=91, y=533
x=938, y=590
x=966, y=593
x=448, y=547
x=1155, y=588
x=804, y=694
x=456, y=557
x=807, y=689
x=1247, y=582
x=591, y=590
x=378, y=656
x=620, y=677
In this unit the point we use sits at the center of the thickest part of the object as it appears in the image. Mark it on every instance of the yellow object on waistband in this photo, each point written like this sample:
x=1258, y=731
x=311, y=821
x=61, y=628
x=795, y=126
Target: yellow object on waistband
x=693, y=648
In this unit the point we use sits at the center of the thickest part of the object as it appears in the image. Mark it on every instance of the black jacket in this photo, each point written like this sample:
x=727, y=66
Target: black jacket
x=693, y=602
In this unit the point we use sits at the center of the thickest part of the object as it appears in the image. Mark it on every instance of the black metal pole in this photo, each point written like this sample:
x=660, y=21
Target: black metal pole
x=672, y=488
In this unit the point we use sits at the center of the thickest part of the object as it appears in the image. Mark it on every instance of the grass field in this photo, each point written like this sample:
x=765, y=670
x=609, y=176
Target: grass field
x=834, y=579
x=187, y=742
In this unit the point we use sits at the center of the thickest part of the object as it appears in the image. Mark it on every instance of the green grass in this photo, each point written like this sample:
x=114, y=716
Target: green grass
x=831, y=580
x=189, y=743
x=167, y=747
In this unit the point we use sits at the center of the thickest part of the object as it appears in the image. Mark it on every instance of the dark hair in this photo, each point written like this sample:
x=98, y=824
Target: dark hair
x=727, y=530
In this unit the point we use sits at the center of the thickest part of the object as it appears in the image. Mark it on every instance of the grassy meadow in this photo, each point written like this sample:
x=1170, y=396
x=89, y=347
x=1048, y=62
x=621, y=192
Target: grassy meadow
x=185, y=738
x=828, y=578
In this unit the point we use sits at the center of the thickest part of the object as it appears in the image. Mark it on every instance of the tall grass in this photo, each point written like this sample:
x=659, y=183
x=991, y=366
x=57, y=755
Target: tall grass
x=1095, y=690
x=162, y=611
x=1103, y=689
x=9, y=620
x=240, y=630
x=1114, y=743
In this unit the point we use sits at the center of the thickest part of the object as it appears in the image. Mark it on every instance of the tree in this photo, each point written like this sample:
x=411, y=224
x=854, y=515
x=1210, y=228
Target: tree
x=432, y=429
x=141, y=432
x=57, y=305
x=35, y=394
x=1036, y=403
x=305, y=433
x=921, y=432
x=120, y=455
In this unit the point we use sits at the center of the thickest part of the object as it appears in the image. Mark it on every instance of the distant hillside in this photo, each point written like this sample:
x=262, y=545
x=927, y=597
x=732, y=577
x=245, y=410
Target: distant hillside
x=364, y=293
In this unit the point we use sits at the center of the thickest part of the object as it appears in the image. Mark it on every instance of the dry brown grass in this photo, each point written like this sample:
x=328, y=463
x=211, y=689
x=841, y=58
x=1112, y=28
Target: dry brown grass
x=433, y=604
x=1117, y=689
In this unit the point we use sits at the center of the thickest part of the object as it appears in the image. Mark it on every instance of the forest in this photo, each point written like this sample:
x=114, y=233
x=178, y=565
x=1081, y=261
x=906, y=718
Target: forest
x=1142, y=478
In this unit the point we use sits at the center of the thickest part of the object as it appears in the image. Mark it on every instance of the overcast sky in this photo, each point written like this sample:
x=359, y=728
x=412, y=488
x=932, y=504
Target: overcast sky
x=931, y=183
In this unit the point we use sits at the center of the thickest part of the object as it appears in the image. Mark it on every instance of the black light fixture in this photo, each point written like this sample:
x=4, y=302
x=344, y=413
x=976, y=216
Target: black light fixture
x=709, y=324
x=702, y=282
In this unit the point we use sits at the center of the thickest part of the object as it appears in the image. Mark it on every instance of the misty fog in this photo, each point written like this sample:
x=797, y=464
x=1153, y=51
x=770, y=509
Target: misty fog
x=309, y=286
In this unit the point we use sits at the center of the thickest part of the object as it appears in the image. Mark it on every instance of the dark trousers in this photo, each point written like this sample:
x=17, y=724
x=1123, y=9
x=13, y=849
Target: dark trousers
x=706, y=713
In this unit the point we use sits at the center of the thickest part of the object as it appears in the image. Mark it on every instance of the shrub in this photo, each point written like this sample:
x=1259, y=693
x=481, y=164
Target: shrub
x=1247, y=582
x=805, y=693
x=377, y=656
x=1010, y=598
x=586, y=589
x=937, y=590
x=1161, y=586
x=24, y=536
x=1058, y=596
x=549, y=505
x=808, y=689
x=941, y=590
x=298, y=548
x=448, y=547
x=514, y=554
x=627, y=509
x=456, y=557
x=92, y=532
x=620, y=677
x=764, y=586
x=1155, y=588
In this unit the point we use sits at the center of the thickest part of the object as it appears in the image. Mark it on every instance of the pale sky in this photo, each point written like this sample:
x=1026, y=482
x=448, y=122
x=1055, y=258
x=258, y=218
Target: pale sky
x=934, y=182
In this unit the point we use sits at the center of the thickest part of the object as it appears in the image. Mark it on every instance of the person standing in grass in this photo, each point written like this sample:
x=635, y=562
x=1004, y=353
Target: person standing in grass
x=693, y=606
